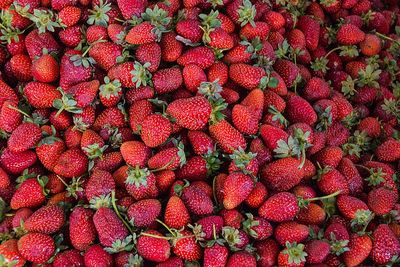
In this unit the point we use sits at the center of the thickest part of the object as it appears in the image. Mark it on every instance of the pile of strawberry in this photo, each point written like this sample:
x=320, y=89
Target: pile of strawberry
x=199, y=133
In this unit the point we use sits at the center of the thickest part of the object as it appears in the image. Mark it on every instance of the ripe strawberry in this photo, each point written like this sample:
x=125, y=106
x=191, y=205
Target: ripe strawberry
x=167, y=80
x=109, y=228
x=10, y=253
x=36, y=247
x=349, y=34
x=105, y=54
x=299, y=110
x=171, y=49
x=45, y=69
x=141, y=183
x=244, y=120
x=359, y=249
x=291, y=232
x=21, y=67
x=82, y=232
x=70, y=257
x=388, y=150
x=191, y=113
x=351, y=174
x=197, y=201
x=100, y=183
x=352, y=208
x=186, y=246
x=311, y=29
x=135, y=153
x=142, y=33
x=241, y=257
x=246, y=76
x=129, y=9
x=150, y=53
x=215, y=255
x=49, y=150
x=24, y=137
x=201, y=56
x=237, y=188
x=97, y=256
x=292, y=256
x=176, y=214
x=72, y=163
x=288, y=71
x=155, y=130
x=10, y=118
x=382, y=200
x=200, y=142
x=29, y=194
x=152, y=246
x=268, y=251
x=228, y=138
x=15, y=163
x=193, y=77
x=385, y=245
x=7, y=93
x=331, y=181
x=46, y=220
x=111, y=117
x=144, y=212
x=317, y=251
x=280, y=207
x=282, y=174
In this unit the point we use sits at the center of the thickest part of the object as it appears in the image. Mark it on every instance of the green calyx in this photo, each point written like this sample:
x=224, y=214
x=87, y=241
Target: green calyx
x=94, y=151
x=217, y=107
x=231, y=236
x=376, y=177
x=67, y=103
x=44, y=20
x=362, y=218
x=110, y=88
x=242, y=159
x=141, y=75
x=295, y=252
x=137, y=176
x=211, y=90
x=338, y=247
x=247, y=12
x=119, y=245
x=278, y=116
x=213, y=163
x=324, y=118
x=103, y=201
x=209, y=23
x=158, y=17
x=249, y=224
x=98, y=15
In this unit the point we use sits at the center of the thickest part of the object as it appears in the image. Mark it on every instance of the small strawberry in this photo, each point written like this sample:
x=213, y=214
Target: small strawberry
x=15, y=163
x=144, y=212
x=201, y=56
x=176, y=214
x=311, y=29
x=135, y=153
x=246, y=76
x=241, y=257
x=197, y=201
x=21, y=66
x=97, y=256
x=10, y=117
x=141, y=183
x=349, y=34
x=45, y=69
x=385, y=245
x=186, y=247
x=359, y=248
x=227, y=137
x=71, y=163
x=46, y=220
x=155, y=130
x=153, y=246
x=10, y=254
x=215, y=256
x=106, y=54
x=282, y=174
x=36, y=247
x=100, y=183
x=48, y=151
x=70, y=257
x=110, y=92
x=388, y=150
x=167, y=80
x=317, y=251
x=299, y=110
x=292, y=256
x=82, y=232
x=24, y=137
x=29, y=194
x=237, y=188
x=280, y=207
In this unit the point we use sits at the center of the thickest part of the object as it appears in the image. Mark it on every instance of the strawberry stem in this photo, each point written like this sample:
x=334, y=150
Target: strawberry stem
x=119, y=214
x=169, y=229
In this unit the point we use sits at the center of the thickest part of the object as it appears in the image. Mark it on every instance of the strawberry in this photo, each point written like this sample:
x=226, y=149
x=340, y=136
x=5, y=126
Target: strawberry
x=21, y=67
x=110, y=228
x=200, y=142
x=311, y=29
x=317, y=251
x=201, y=56
x=46, y=220
x=71, y=163
x=382, y=200
x=36, y=247
x=388, y=150
x=167, y=80
x=215, y=255
x=354, y=209
x=135, y=153
x=144, y=212
x=7, y=93
x=100, y=183
x=70, y=257
x=243, y=119
x=4, y=179
x=292, y=256
x=141, y=183
x=197, y=201
x=186, y=246
x=279, y=207
x=29, y=194
x=10, y=253
x=15, y=163
x=299, y=110
x=331, y=180
x=129, y=10
x=268, y=251
x=169, y=159
x=171, y=49
x=49, y=150
x=351, y=174
x=288, y=71
x=246, y=76
x=152, y=246
x=142, y=33
x=10, y=117
x=349, y=34
x=82, y=232
x=237, y=188
x=191, y=113
x=176, y=214
x=45, y=69
x=193, y=77
x=96, y=255
x=282, y=174
x=291, y=232
x=92, y=144
x=150, y=53
x=385, y=244
x=99, y=50
x=24, y=137
x=329, y=156
x=112, y=117
x=228, y=138
x=257, y=196
x=359, y=248
x=155, y=130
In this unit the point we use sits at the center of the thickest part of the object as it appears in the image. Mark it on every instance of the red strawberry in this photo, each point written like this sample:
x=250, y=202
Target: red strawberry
x=15, y=163
x=317, y=251
x=186, y=246
x=215, y=256
x=144, y=212
x=385, y=245
x=282, y=174
x=97, y=256
x=82, y=232
x=288, y=71
x=201, y=56
x=152, y=248
x=135, y=153
x=155, y=130
x=200, y=142
x=45, y=69
x=46, y=220
x=6, y=93
x=106, y=54
x=193, y=77
x=21, y=67
x=10, y=118
x=29, y=194
x=228, y=138
x=191, y=113
x=197, y=201
x=299, y=110
x=150, y=53
x=359, y=249
x=244, y=120
x=241, y=257
x=349, y=34
x=71, y=163
x=49, y=150
x=141, y=183
x=100, y=183
x=176, y=214
x=167, y=80
x=24, y=137
x=111, y=117
x=171, y=49
x=109, y=228
x=268, y=251
x=10, y=253
x=331, y=181
x=311, y=29
x=353, y=208
x=237, y=188
x=70, y=257
x=291, y=232
x=245, y=75
x=71, y=62
x=279, y=207
x=292, y=256
x=142, y=33
x=388, y=150
x=36, y=247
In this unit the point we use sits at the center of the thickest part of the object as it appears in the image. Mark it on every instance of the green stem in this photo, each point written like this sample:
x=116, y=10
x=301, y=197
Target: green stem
x=165, y=166
x=324, y=197
x=166, y=227
x=119, y=214
x=20, y=111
